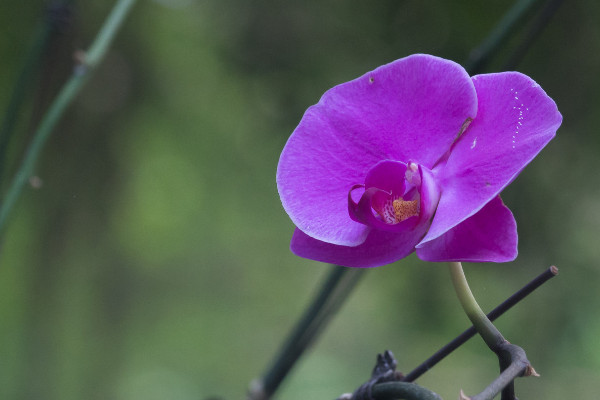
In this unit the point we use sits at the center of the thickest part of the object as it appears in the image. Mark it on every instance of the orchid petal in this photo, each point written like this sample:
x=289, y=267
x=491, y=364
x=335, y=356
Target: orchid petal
x=489, y=235
x=380, y=248
x=515, y=120
x=389, y=113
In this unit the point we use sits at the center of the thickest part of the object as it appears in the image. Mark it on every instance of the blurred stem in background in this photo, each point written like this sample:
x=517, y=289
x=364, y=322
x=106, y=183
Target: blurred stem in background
x=56, y=16
x=83, y=70
x=534, y=30
x=510, y=22
x=335, y=290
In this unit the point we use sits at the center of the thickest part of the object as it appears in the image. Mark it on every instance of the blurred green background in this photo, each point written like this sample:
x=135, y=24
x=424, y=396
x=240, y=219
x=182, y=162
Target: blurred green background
x=153, y=261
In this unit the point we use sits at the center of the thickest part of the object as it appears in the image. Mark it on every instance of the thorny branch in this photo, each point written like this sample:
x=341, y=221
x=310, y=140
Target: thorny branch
x=493, y=315
x=513, y=361
x=385, y=384
x=515, y=364
x=388, y=384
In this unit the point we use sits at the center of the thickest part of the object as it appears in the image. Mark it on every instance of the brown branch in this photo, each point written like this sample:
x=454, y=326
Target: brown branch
x=516, y=365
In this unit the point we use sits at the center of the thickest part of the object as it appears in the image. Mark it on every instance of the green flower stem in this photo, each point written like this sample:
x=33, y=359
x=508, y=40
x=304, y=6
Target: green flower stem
x=467, y=334
x=65, y=97
x=480, y=321
x=512, y=358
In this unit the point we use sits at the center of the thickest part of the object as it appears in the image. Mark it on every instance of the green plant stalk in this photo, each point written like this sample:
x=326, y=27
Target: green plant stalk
x=65, y=97
x=480, y=321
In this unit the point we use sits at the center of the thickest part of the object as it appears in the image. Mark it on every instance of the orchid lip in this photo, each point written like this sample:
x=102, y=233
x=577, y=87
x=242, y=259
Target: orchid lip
x=392, y=199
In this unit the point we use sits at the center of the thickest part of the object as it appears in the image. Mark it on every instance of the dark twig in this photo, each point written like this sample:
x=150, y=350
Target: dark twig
x=384, y=371
x=469, y=333
x=330, y=298
x=385, y=384
x=516, y=365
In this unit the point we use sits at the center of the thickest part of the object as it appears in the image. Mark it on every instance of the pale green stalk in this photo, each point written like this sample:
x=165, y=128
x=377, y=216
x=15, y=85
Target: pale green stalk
x=65, y=97
x=480, y=321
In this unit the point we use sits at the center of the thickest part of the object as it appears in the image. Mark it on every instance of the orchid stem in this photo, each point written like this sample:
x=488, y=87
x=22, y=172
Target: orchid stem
x=492, y=315
x=65, y=97
x=480, y=321
x=513, y=361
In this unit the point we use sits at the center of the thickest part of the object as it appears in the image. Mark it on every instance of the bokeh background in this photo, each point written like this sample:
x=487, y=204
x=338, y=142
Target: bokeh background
x=153, y=261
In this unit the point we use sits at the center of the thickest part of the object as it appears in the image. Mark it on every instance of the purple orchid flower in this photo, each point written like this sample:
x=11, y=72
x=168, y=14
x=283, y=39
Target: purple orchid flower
x=413, y=156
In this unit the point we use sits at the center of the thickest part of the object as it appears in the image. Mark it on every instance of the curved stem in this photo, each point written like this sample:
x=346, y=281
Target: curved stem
x=513, y=361
x=492, y=315
x=64, y=98
x=480, y=321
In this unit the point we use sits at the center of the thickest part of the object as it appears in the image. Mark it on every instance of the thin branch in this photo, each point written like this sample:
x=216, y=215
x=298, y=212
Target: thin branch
x=64, y=98
x=385, y=384
x=334, y=291
x=493, y=315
